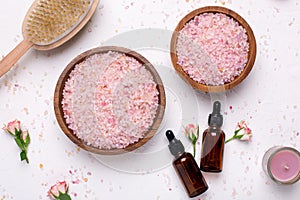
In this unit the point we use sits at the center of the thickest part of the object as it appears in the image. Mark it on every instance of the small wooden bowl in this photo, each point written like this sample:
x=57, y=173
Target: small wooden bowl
x=251, y=53
x=61, y=84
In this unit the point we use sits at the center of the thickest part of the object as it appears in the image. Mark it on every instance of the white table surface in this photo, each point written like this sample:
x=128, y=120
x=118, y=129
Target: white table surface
x=268, y=99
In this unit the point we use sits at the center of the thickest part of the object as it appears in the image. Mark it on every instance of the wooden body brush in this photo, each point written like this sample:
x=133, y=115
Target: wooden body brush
x=49, y=24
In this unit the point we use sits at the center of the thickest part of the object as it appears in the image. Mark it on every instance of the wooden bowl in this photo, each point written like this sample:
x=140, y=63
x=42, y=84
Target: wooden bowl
x=251, y=53
x=61, y=84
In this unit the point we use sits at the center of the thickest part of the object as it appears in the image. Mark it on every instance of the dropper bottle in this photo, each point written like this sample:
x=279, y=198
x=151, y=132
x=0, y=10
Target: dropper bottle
x=186, y=167
x=213, y=141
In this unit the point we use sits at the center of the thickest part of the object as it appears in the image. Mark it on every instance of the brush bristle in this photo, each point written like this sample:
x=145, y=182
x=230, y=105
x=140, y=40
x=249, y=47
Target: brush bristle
x=51, y=20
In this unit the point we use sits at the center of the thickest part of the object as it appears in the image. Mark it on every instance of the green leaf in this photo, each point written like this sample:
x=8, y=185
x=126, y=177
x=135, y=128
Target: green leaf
x=238, y=130
x=239, y=136
x=197, y=132
x=18, y=133
x=194, y=138
x=19, y=143
x=23, y=155
x=27, y=140
x=64, y=197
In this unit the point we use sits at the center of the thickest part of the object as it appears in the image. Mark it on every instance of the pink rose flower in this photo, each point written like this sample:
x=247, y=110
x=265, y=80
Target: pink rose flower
x=11, y=127
x=24, y=135
x=59, y=191
x=192, y=132
x=242, y=132
x=21, y=137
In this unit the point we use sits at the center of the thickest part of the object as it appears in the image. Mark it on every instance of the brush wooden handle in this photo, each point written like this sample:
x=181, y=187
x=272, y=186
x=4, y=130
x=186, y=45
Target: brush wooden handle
x=8, y=61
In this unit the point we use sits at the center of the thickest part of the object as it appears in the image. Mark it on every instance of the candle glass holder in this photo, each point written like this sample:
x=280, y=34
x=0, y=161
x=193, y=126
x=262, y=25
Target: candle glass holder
x=282, y=164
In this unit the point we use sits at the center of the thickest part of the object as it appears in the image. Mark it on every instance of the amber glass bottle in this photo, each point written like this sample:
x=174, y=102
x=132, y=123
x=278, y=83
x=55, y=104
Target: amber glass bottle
x=186, y=167
x=213, y=141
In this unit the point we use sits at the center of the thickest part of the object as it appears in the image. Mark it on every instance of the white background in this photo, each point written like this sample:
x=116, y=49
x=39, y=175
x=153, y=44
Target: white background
x=268, y=99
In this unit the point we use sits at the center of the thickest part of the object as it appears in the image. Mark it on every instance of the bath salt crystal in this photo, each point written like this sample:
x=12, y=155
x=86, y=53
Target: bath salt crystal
x=110, y=100
x=212, y=48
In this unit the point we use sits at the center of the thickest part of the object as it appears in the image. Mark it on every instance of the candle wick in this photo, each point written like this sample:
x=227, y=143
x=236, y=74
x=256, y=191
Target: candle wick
x=286, y=167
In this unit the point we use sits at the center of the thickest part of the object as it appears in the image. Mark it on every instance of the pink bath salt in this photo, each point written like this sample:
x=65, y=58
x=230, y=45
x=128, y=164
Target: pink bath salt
x=212, y=49
x=110, y=100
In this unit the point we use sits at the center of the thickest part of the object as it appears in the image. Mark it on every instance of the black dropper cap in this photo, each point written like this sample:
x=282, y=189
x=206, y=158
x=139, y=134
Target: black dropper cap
x=175, y=146
x=215, y=118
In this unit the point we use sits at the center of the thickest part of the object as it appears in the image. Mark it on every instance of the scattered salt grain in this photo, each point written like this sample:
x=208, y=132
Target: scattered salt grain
x=212, y=48
x=110, y=100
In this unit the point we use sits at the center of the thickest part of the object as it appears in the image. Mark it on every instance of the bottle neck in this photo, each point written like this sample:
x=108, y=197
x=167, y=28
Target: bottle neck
x=216, y=129
x=178, y=155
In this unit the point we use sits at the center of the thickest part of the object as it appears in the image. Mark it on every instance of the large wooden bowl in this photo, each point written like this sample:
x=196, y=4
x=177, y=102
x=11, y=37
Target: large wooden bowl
x=61, y=84
x=251, y=53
